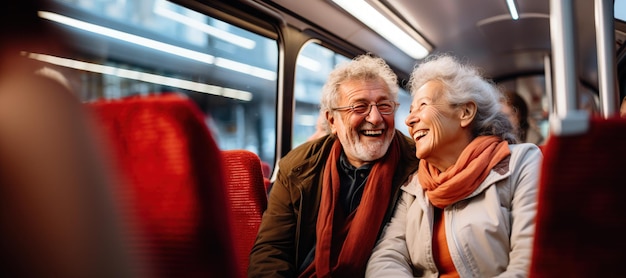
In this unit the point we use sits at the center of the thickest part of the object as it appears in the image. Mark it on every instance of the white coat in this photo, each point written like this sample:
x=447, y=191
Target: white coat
x=489, y=233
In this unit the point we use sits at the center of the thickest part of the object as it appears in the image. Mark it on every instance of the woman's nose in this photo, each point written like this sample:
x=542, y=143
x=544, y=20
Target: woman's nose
x=411, y=119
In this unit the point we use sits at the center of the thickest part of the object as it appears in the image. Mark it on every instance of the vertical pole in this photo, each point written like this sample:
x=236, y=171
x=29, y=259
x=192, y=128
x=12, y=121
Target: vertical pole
x=607, y=68
x=567, y=119
x=563, y=56
x=547, y=72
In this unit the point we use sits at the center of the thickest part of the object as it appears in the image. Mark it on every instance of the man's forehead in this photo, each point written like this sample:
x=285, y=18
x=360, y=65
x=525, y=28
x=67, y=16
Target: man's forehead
x=363, y=88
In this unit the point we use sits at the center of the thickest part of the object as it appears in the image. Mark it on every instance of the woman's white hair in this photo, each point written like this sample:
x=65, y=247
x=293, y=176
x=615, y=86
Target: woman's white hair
x=462, y=84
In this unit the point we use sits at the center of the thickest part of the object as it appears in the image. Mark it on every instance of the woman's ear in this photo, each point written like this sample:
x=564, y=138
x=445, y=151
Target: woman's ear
x=468, y=112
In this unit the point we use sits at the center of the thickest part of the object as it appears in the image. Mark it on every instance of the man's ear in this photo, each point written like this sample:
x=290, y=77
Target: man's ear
x=330, y=117
x=467, y=113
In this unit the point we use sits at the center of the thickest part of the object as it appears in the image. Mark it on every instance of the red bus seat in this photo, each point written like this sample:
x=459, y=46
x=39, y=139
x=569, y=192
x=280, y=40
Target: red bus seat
x=248, y=199
x=58, y=217
x=267, y=175
x=173, y=184
x=581, y=217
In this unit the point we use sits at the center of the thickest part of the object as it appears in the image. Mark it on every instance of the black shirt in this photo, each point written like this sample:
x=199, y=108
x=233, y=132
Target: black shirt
x=352, y=183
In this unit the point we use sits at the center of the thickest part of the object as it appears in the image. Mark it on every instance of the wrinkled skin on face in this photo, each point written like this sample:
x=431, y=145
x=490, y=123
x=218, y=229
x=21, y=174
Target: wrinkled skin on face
x=365, y=138
x=440, y=130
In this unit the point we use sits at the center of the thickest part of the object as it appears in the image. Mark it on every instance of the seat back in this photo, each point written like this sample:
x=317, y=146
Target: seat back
x=248, y=199
x=58, y=217
x=173, y=184
x=581, y=217
x=267, y=175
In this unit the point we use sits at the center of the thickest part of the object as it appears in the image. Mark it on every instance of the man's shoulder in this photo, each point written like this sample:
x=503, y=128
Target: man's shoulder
x=307, y=150
x=404, y=139
x=407, y=145
x=408, y=161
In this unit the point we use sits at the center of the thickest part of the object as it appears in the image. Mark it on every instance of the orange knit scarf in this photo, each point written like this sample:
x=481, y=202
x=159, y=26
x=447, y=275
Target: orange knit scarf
x=469, y=171
x=361, y=228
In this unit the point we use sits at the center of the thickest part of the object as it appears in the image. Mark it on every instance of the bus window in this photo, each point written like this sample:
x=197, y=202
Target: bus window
x=404, y=98
x=314, y=64
x=123, y=48
x=620, y=9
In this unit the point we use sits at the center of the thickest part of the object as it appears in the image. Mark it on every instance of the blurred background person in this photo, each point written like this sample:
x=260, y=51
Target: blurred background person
x=321, y=128
x=516, y=109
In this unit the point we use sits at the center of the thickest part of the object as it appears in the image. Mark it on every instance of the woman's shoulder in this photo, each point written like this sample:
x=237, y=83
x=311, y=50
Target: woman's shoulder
x=525, y=151
x=525, y=158
x=412, y=185
x=524, y=146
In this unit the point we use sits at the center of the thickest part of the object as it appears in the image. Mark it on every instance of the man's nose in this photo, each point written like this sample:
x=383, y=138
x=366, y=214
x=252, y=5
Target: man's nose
x=374, y=116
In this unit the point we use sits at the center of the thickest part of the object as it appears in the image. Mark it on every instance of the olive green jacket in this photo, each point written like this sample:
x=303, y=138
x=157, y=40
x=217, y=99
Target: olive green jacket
x=287, y=232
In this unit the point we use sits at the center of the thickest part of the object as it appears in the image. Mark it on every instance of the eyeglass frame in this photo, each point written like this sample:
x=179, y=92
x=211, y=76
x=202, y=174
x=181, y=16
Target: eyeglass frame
x=369, y=109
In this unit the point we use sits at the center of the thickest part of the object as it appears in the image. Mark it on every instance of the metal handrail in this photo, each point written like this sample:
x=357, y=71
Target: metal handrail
x=566, y=118
x=607, y=66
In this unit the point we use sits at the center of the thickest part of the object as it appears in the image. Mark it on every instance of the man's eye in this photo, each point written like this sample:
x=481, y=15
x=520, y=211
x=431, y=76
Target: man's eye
x=359, y=107
x=385, y=107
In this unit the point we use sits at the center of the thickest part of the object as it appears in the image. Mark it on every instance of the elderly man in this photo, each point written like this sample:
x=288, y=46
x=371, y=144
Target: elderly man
x=333, y=195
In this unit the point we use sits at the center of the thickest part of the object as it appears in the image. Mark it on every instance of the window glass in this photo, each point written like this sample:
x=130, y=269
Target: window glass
x=314, y=64
x=620, y=9
x=122, y=48
x=404, y=98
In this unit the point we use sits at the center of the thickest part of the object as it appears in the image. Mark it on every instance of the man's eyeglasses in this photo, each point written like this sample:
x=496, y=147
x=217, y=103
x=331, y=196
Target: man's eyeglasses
x=363, y=108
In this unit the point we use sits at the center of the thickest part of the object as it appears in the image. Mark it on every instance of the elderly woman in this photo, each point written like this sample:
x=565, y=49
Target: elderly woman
x=469, y=210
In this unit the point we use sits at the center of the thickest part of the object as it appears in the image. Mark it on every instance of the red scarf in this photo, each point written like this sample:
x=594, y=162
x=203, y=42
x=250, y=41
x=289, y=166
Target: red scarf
x=469, y=171
x=360, y=228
